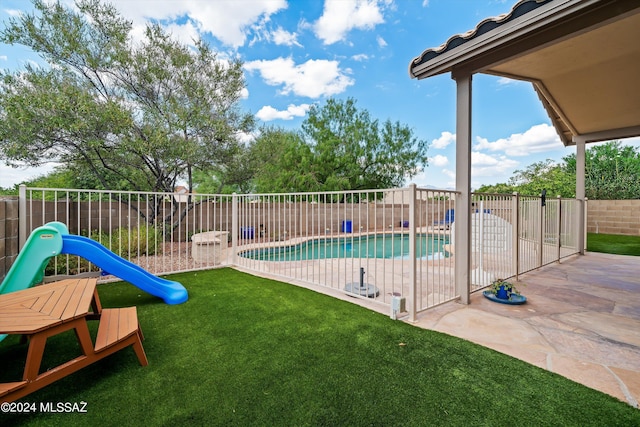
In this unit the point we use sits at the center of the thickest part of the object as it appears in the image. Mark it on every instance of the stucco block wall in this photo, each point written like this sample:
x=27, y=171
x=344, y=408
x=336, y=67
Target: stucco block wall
x=8, y=234
x=614, y=217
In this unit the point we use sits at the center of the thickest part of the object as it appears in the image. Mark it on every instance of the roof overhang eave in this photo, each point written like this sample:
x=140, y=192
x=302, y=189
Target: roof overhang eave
x=476, y=46
x=608, y=135
x=567, y=133
x=529, y=29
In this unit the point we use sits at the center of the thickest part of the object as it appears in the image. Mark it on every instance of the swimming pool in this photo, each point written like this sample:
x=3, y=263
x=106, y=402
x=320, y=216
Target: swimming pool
x=385, y=246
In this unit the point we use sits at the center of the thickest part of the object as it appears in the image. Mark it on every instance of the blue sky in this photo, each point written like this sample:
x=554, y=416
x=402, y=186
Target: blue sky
x=299, y=53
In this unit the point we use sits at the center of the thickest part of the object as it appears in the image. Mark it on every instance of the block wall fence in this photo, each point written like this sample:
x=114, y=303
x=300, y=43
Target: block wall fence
x=9, y=238
x=603, y=216
x=614, y=217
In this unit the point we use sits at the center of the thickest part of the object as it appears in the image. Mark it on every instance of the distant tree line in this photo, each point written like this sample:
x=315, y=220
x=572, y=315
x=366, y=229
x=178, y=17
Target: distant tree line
x=612, y=173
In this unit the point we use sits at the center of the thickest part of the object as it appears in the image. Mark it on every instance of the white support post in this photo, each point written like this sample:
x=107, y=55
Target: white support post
x=515, y=233
x=462, y=223
x=580, y=192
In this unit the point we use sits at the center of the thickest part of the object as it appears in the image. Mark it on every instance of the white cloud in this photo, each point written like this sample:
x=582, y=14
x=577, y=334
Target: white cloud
x=381, y=41
x=227, y=20
x=14, y=13
x=538, y=139
x=268, y=113
x=341, y=16
x=360, y=57
x=451, y=182
x=431, y=178
x=504, y=81
x=485, y=165
x=450, y=173
x=438, y=160
x=186, y=33
x=3, y=57
x=283, y=37
x=445, y=139
x=313, y=79
x=482, y=165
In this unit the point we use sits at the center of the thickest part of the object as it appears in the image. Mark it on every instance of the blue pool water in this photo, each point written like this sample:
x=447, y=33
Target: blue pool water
x=387, y=246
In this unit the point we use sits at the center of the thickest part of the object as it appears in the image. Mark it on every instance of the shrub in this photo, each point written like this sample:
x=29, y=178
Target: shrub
x=69, y=265
x=141, y=240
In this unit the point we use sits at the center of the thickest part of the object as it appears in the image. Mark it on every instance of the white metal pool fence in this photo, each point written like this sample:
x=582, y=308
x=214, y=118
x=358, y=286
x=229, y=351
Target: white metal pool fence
x=169, y=233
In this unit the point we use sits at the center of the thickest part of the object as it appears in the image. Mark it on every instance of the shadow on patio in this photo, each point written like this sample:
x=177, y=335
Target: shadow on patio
x=581, y=321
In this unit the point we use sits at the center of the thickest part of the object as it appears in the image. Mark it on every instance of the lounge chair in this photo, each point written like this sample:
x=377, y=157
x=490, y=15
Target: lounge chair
x=447, y=221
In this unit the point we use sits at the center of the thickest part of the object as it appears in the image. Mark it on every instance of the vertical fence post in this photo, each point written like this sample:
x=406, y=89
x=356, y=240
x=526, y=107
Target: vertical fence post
x=542, y=213
x=412, y=252
x=584, y=230
x=559, y=226
x=22, y=215
x=234, y=229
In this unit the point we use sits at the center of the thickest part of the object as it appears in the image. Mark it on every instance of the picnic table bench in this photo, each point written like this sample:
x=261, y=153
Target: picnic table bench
x=47, y=310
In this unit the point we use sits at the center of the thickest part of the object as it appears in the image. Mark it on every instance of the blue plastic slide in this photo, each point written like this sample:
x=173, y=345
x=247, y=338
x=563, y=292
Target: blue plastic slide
x=54, y=239
x=171, y=292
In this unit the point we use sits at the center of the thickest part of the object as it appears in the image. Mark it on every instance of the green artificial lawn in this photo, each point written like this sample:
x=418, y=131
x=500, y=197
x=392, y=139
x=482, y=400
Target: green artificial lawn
x=248, y=351
x=613, y=244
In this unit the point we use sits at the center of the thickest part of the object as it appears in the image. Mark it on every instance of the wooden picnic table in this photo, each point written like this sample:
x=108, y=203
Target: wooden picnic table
x=47, y=310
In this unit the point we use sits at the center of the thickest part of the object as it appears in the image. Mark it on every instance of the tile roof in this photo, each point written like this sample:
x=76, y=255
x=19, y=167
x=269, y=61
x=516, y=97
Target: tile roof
x=520, y=8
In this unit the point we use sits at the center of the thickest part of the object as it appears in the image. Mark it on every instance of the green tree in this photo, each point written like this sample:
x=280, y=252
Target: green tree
x=234, y=175
x=135, y=116
x=543, y=175
x=282, y=162
x=499, y=188
x=612, y=171
x=58, y=178
x=339, y=148
x=352, y=151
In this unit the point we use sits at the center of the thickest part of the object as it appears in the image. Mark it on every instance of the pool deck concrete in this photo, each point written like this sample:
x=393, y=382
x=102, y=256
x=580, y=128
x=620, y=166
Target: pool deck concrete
x=581, y=320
